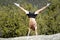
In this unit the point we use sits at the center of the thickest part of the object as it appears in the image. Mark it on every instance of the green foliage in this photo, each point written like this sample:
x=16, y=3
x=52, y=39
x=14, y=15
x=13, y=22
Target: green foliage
x=48, y=21
x=14, y=22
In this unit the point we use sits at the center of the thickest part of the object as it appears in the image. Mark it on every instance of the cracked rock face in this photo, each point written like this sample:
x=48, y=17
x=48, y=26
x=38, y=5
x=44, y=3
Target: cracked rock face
x=38, y=37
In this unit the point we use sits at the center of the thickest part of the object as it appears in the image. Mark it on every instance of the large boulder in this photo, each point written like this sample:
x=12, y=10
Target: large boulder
x=39, y=37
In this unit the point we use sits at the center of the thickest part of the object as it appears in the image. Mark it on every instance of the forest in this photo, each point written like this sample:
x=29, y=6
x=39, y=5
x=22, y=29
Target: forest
x=15, y=23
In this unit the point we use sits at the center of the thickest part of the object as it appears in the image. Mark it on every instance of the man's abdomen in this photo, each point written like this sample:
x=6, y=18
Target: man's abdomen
x=32, y=23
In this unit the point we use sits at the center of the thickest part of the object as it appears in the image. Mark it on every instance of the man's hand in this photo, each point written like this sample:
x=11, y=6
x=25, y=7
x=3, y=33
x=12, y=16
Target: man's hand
x=17, y=4
x=48, y=4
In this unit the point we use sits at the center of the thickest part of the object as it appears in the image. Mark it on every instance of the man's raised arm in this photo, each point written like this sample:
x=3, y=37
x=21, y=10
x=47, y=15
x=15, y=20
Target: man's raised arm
x=21, y=8
x=36, y=12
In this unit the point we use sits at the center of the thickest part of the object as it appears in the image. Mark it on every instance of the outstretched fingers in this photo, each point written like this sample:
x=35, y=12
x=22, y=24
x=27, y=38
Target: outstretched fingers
x=48, y=4
x=17, y=4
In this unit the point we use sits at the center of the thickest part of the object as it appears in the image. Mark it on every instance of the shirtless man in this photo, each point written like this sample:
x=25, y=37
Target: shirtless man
x=32, y=16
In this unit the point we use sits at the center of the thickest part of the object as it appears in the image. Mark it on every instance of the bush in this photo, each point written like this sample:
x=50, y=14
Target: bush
x=14, y=22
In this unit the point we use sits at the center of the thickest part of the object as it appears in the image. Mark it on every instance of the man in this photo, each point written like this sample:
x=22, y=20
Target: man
x=32, y=21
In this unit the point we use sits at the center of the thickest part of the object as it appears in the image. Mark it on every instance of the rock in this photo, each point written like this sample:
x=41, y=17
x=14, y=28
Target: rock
x=38, y=37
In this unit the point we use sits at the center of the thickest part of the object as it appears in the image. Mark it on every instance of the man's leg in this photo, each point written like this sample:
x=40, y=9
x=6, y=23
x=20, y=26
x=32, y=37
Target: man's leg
x=36, y=31
x=29, y=31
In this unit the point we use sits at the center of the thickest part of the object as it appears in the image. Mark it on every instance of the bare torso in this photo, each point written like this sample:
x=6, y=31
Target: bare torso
x=32, y=23
x=32, y=19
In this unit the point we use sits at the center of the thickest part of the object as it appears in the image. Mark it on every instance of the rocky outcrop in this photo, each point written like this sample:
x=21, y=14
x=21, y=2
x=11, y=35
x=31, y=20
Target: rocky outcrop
x=39, y=37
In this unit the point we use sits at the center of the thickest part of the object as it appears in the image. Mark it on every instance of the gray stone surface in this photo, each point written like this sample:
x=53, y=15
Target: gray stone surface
x=39, y=37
